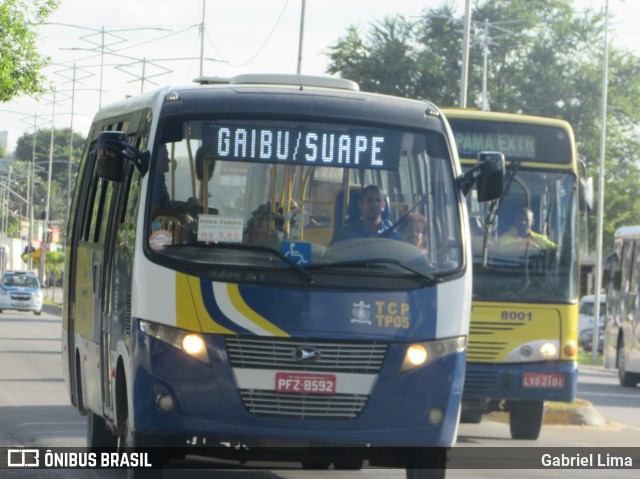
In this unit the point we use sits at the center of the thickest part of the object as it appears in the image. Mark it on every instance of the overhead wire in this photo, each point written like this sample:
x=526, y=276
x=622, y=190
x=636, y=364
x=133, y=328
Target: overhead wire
x=264, y=44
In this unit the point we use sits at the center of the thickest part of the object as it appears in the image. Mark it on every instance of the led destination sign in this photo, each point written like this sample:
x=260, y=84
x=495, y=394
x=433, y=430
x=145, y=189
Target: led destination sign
x=517, y=141
x=312, y=146
x=514, y=146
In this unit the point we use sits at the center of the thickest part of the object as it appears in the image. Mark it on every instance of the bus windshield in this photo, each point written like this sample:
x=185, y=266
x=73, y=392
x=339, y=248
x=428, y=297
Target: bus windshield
x=523, y=246
x=274, y=195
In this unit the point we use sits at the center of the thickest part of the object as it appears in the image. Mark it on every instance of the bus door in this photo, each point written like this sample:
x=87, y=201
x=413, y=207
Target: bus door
x=93, y=289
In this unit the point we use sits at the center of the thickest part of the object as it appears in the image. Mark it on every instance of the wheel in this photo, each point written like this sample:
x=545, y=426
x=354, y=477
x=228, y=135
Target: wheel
x=132, y=441
x=38, y=312
x=98, y=436
x=627, y=379
x=319, y=466
x=348, y=465
x=155, y=456
x=471, y=417
x=525, y=419
x=427, y=463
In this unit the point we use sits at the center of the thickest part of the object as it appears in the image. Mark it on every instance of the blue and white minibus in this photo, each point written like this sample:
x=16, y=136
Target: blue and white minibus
x=209, y=305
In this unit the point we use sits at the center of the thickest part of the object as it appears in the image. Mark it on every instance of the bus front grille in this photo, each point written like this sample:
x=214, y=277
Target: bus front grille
x=272, y=404
x=480, y=383
x=327, y=356
x=319, y=356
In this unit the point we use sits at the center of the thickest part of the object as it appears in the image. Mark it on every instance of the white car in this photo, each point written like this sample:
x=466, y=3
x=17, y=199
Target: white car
x=20, y=291
x=587, y=306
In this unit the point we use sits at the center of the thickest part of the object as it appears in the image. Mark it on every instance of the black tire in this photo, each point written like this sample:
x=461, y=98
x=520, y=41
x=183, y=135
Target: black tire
x=427, y=463
x=627, y=379
x=319, y=465
x=471, y=417
x=38, y=313
x=352, y=465
x=138, y=443
x=98, y=436
x=525, y=419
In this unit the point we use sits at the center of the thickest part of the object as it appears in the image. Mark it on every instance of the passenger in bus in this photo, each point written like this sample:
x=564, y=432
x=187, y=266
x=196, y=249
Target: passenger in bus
x=259, y=229
x=370, y=224
x=414, y=230
x=162, y=205
x=521, y=234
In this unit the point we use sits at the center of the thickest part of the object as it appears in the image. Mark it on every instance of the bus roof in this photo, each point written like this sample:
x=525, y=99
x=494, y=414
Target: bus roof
x=502, y=116
x=627, y=232
x=290, y=100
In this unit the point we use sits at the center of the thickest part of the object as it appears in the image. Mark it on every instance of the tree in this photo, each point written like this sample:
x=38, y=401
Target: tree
x=23, y=156
x=20, y=61
x=548, y=63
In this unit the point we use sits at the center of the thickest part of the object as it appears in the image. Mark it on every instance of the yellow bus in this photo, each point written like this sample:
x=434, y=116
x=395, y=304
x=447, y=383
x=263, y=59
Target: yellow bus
x=222, y=288
x=523, y=337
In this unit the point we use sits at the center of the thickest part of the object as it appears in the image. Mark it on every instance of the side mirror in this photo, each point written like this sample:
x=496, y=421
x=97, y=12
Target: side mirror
x=111, y=152
x=585, y=194
x=487, y=174
x=204, y=165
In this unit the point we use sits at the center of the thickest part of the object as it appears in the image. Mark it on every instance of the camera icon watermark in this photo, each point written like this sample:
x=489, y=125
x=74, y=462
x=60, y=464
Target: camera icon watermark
x=23, y=458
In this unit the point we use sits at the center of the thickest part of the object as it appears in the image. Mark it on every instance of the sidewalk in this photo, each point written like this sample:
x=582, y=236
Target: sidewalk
x=53, y=300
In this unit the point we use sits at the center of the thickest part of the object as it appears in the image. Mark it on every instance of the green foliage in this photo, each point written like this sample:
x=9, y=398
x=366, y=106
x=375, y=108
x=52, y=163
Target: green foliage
x=20, y=62
x=544, y=58
x=61, y=181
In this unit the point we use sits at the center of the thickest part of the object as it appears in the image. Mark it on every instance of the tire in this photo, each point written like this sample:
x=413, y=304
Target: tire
x=427, y=463
x=627, y=379
x=525, y=419
x=38, y=313
x=318, y=466
x=98, y=436
x=352, y=465
x=471, y=417
x=136, y=442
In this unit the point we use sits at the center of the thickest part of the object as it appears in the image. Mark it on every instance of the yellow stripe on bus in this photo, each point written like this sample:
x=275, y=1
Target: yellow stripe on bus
x=191, y=313
x=244, y=309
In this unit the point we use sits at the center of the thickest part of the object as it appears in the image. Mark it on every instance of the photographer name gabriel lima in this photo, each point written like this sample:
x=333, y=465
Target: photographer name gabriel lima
x=586, y=460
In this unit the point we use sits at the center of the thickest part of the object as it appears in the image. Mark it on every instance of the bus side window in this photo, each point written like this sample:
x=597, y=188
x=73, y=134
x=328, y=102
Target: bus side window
x=627, y=252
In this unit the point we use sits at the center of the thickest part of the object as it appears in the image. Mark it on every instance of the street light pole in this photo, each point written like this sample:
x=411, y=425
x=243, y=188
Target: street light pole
x=45, y=226
x=603, y=141
x=300, y=40
x=465, y=54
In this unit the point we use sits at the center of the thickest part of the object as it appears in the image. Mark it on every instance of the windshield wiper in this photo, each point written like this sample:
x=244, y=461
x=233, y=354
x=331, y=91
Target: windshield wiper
x=426, y=279
x=264, y=249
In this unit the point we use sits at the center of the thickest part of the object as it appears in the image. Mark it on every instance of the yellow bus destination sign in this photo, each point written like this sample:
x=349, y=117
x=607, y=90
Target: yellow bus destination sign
x=518, y=141
x=512, y=146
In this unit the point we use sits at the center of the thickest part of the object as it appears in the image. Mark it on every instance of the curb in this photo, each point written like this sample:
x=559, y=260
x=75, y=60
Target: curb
x=52, y=309
x=578, y=413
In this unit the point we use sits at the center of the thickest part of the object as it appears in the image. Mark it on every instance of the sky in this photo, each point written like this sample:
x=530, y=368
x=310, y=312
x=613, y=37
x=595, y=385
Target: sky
x=160, y=41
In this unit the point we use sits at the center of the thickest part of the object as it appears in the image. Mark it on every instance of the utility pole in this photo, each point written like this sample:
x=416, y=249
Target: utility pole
x=301, y=39
x=48, y=201
x=465, y=54
x=202, y=32
x=603, y=142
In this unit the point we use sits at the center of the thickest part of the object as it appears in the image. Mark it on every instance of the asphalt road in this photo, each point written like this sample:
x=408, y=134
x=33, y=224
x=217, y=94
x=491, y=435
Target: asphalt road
x=35, y=411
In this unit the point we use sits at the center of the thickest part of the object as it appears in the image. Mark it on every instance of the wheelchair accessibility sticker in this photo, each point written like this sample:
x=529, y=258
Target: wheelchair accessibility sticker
x=297, y=251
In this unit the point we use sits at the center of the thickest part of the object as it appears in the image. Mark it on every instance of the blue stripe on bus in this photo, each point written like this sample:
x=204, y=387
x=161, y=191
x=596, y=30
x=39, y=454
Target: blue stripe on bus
x=348, y=314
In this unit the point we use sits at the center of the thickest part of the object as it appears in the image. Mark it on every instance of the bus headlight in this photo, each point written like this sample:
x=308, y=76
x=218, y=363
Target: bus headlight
x=549, y=350
x=539, y=350
x=187, y=341
x=419, y=354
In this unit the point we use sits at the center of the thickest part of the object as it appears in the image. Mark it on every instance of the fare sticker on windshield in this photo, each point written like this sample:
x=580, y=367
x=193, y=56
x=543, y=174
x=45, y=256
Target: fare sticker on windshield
x=216, y=228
